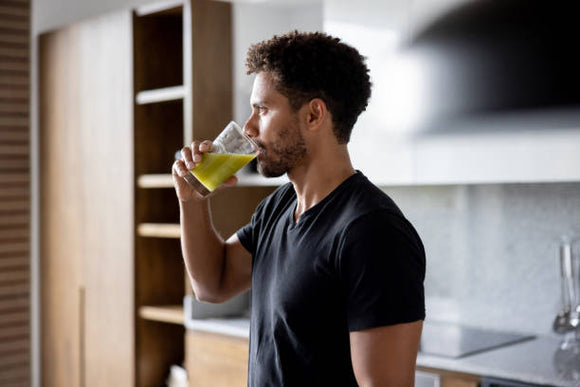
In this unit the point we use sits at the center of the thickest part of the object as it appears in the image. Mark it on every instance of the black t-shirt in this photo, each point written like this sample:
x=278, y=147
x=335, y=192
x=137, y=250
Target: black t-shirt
x=351, y=262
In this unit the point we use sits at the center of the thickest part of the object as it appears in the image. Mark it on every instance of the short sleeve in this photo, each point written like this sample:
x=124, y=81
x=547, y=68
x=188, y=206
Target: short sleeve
x=382, y=270
x=248, y=234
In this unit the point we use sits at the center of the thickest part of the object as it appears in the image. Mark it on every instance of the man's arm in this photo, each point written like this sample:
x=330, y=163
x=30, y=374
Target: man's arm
x=386, y=356
x=218, y=269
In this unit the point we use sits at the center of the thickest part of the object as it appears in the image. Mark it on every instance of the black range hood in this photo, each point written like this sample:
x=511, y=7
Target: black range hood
x=494, y=62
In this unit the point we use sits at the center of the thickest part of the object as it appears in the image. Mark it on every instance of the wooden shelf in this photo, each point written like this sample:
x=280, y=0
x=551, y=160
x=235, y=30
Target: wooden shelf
x=155, y=181
x=169, y=7
x=164, y=313
x=160, y=95
x=159, y=230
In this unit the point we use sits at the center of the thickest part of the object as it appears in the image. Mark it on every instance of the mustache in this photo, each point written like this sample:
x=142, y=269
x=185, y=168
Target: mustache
x=260, y=145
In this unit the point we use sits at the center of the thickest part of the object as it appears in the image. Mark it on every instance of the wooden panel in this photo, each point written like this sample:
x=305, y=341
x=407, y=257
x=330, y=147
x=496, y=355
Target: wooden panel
x=161, y=345
x=11, y=261
x=13, y=318
x=454, y=379
x=14, y=304
x=158, y=206
x=14, y=358
x=105, y=46
x=14, y=194
x=87, y=204
x=214, y=360
x=158, y=136
x=17, y=374
x=61, y=212
x=208, y=71
x=233, y=208
x=158, y=51
x=14, y=290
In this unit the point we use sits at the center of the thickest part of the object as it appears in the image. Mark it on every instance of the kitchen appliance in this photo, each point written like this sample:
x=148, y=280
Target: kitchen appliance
x=500, y=60
x=454, y=340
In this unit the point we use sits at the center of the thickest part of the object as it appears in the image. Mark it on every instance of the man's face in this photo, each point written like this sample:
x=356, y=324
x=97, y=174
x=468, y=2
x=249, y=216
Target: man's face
x=276, y=129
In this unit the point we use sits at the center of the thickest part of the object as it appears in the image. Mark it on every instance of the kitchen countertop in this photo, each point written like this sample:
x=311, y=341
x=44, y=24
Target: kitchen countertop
x=531, y=361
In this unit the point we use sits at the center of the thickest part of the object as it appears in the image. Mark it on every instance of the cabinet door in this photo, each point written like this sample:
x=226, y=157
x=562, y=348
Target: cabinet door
x=86, y=185
x=216, y=360
x=105, y=82
x=61, y=218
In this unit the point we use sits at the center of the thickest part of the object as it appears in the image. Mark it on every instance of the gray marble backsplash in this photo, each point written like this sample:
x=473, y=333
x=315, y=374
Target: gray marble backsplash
x=492, y=250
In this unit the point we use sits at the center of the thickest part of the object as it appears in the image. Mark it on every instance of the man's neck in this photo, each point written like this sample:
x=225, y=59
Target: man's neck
x=317, y=178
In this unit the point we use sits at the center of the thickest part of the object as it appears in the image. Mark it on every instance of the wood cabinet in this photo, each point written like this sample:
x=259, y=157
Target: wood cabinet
x=216, y=360
x=445, y=378
x=119, y=95
x=86, y=180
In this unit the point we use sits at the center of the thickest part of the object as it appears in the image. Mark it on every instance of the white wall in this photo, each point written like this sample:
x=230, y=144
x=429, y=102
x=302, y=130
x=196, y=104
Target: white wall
x=256, y=22
x=51, y=14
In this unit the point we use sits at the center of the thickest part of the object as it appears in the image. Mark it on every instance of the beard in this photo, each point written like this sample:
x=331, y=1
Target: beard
x=281, y=155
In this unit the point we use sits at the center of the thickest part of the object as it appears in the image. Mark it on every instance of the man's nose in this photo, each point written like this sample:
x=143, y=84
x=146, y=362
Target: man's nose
x=250, y=128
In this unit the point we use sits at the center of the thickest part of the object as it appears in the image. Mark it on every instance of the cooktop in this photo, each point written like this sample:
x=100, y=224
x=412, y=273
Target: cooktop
x=454, y=341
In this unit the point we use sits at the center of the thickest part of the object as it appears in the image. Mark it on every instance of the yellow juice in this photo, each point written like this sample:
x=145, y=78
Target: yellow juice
x=215, y=168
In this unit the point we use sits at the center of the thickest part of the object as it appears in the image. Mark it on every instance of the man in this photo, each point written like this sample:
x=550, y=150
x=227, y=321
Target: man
x=336, y=270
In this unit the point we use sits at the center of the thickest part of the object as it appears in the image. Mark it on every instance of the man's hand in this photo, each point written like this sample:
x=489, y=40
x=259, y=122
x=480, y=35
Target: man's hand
x=190, y=157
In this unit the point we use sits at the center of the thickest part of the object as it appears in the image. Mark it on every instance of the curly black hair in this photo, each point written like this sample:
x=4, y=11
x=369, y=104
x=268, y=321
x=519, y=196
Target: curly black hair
x=307, y=65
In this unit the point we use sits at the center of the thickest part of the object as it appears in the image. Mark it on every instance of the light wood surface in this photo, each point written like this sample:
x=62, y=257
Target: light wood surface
x=167, y=313
x=87, y=234
x=14, y=193
x=454, y=379
x=162, y=180
x=215, y=360
x=159, y=230
x=61, y=262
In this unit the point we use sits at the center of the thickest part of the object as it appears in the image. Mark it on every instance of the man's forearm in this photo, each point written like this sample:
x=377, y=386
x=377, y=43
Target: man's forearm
x=202, y=248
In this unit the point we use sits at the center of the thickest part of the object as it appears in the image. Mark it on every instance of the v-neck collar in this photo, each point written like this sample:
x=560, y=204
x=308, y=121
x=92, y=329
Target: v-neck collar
x=316, y=208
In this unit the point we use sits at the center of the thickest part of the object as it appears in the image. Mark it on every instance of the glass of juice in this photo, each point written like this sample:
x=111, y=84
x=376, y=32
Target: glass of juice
x=231, y=150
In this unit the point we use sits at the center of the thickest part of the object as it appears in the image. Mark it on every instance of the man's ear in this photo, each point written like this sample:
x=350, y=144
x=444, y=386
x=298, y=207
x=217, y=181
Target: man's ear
x=316, y=113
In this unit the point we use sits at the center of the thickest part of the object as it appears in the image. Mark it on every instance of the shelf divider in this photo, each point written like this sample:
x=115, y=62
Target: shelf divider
x=159, y=230
x=164, y=313
x=160, y=95
x=164, y=180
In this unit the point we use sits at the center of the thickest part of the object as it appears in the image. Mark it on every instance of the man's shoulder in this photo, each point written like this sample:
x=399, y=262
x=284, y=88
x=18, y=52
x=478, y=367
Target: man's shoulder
x=280, y=197
x=363, y=197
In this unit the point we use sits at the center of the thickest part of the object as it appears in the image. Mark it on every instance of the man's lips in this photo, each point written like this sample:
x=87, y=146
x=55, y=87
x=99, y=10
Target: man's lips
x=260, y=148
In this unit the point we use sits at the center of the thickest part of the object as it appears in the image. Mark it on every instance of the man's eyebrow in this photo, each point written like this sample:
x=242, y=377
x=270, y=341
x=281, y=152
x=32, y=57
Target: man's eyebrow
x=257, y=104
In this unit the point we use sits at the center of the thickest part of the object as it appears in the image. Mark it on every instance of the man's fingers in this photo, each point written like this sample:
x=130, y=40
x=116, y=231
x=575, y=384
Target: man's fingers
x=179, y=168
x=205, y=146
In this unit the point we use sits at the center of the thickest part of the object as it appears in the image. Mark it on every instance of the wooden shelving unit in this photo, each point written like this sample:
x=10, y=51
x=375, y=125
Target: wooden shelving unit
x=159, y=91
